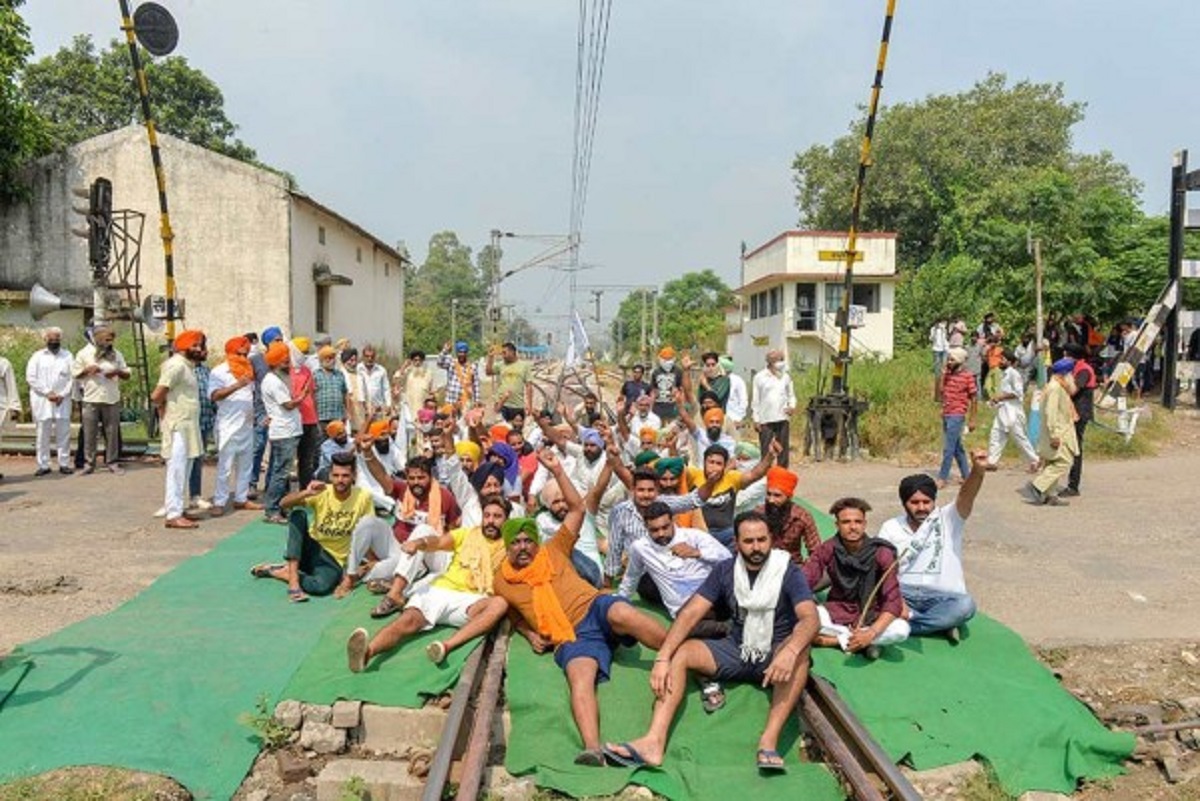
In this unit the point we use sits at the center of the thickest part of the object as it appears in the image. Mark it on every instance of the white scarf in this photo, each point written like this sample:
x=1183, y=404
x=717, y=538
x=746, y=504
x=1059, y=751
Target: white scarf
x=759, y=603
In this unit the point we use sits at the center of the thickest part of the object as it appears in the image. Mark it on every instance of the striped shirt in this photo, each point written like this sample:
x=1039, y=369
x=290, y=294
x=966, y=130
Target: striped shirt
x=330, y=394
x=208, y=407
x=454, y=384
x=625, y=524
x=958, y=389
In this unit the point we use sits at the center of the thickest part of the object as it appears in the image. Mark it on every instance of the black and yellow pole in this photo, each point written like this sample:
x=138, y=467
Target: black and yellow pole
x=841, y=366
x=160, y=176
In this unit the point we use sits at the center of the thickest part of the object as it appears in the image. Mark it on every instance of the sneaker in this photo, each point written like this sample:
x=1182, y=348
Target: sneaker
x=66, y=471
x=356, y=650
x=42, y=471
x=1069, y=492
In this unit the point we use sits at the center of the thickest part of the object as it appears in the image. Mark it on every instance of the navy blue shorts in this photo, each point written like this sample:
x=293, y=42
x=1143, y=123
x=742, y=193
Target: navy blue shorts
x=594, y=638
x=727, y=653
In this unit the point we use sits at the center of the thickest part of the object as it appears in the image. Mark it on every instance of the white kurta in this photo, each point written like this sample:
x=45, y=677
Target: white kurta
x=10, y=401
x=235, y=412
x=49, y=374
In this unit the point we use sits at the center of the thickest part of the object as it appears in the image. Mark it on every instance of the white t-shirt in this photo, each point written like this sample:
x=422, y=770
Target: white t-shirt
x=285, y=423
x=677, y=578
x=548, y=526
x=931, y=556
x=235, y=412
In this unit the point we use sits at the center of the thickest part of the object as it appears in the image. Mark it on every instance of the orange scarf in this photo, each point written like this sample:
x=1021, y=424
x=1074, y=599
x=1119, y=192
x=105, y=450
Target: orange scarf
x=552, y=621
x=465, y=380
x=408, y=506
x=239, y=366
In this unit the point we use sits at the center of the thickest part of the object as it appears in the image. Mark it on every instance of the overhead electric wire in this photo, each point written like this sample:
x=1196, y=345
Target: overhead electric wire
x=591, y=47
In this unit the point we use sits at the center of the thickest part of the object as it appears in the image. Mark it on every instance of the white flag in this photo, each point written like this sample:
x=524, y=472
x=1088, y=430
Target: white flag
x=577, y=342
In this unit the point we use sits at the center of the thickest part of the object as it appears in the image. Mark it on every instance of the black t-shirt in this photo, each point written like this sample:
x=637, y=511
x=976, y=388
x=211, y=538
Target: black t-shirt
x=666, y=382
x=718, y=590
x=632, y=390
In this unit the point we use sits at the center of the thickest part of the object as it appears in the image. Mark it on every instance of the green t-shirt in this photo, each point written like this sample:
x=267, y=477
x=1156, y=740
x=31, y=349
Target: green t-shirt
x=513, y=378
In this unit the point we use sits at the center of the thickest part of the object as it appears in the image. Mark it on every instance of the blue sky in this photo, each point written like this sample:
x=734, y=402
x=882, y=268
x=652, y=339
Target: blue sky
x=415, y=117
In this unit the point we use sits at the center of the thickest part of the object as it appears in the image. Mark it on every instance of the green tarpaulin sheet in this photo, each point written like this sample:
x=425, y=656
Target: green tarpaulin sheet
x=158, y=684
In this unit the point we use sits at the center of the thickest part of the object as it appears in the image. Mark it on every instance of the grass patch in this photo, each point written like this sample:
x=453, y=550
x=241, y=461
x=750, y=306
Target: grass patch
x=94, y=784
x=983, y=787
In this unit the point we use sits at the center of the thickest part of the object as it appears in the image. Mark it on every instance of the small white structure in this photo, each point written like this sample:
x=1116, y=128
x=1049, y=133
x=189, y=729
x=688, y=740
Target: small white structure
x=249, y=251
x=790, y=296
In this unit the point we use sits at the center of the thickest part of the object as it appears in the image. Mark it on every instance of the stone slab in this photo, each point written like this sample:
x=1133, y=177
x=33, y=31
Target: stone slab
x=392, y=730
x=384, y=780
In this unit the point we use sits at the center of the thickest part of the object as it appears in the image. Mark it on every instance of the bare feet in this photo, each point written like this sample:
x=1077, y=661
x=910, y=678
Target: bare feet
x=344, y=587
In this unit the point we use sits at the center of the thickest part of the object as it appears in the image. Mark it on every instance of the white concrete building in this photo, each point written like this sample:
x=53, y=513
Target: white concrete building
x=789, y=299
x=248, y=251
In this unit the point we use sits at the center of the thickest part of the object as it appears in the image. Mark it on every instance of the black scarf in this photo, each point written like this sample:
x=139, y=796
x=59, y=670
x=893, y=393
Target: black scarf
x=859, y=572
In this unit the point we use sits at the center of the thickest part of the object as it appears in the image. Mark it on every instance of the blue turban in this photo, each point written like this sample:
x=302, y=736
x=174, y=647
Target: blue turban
x=460, y=347
x=590, y=436
x=271, y=334
x=1064, y=365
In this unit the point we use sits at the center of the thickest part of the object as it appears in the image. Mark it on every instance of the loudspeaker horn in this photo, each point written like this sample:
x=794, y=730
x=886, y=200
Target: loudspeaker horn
x=145, y=316
x=42, y=301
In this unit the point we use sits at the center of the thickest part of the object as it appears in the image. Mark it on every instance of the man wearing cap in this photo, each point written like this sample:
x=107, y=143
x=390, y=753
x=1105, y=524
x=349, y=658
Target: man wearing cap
x=462, y=377
x=1057, y=442
x=665, y=379
x=336, y=441
x=284, y=427
x=514, y=393
x=48, y=374
x=377, y=390
x=772, y=404
x=231, y=387
x=958, y=393
x=555, y=609
x=929, y=545
x=792, y=527
x=863, y=611
x=177, y=399
x=1009, y=402
x=329, y=390
x=99, y=368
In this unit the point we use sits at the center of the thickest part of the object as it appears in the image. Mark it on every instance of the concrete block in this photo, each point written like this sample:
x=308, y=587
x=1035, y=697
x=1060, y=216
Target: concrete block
x=292, y=767
x=499, y=784
x=391, y=730
x=1040, y=795
x=385, y=781
x=290, y=714
x=322, y=738
x=317, y=713
x=345, y=714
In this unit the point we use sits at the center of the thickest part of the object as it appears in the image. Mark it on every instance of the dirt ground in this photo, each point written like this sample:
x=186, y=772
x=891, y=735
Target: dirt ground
x=1105, y=589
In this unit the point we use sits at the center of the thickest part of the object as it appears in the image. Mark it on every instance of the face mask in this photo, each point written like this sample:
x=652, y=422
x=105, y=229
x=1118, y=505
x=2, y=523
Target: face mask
x=53, y=347
x=667, y=364
x=777, y=364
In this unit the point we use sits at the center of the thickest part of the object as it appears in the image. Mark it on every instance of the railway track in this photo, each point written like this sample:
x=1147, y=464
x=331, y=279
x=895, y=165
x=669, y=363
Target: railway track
x=837, y=737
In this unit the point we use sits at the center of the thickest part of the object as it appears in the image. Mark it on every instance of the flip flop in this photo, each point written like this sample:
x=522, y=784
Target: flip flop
x=712, y=696
x=297, y=596
x=770, y=761
x=385, y=607
x=632, y=760
x=265, y=570
x=590, y=758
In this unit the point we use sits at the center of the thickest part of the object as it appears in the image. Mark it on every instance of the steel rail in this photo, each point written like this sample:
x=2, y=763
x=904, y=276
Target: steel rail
x=443, y=757
x=836, y=749
x=475, y=757
x=869, y=752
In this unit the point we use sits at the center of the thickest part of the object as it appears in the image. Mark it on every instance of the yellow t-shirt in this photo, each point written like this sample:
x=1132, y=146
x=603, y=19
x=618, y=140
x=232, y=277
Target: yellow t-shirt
x=334, y=521
x=720, y=507
x=457, y=576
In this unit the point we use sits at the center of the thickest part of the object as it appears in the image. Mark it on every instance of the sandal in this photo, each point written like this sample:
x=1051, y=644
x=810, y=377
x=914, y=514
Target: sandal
x=265, y=570
x=385, y=607
x=379, y=586
x=297, y=596
x=712, y=696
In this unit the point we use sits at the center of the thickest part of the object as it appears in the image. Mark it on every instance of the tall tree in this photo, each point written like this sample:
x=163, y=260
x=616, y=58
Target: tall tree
x=691, y=314
x=445, y=296
x=82, y=93
x=23, y=135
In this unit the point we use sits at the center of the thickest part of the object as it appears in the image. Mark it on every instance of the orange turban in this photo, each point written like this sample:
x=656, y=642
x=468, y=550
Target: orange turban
x=236, y=344
x=326, y=352
x=278, y=353
x=648, y=434
x=714, y=418
x=783, y=480
x=335, y=429
x=667, y=353
x=380, y=428
x=189, y=339
x=499, y=432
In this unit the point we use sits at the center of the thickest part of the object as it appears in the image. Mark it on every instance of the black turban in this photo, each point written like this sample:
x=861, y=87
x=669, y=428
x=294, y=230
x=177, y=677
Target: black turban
x=480, y=476
x=920, y=482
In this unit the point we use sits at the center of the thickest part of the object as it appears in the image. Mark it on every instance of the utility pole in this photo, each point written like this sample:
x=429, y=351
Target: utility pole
x=657, y=341
x=1179, y=189
x=645, y=353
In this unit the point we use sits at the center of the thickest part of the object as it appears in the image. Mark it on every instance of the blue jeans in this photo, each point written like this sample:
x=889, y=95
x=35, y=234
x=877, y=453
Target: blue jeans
x=952, y=447
x=935, y=610
x=283, y=453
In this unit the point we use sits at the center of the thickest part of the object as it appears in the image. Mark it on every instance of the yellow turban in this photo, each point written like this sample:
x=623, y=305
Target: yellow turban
x=302, y=344
x=467, y=448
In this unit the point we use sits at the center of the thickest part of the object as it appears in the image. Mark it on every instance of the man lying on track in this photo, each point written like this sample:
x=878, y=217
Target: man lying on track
x=774, y=622
x=557, y=610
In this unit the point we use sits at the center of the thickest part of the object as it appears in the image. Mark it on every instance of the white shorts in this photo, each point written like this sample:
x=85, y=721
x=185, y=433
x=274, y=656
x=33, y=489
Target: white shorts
x=442, y=607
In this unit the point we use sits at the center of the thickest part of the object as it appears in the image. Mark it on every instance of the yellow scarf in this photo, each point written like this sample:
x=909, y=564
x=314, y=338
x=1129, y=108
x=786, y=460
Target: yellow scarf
x=480, y=559
x=552, y=621
x=408, y=506
x=464, y=372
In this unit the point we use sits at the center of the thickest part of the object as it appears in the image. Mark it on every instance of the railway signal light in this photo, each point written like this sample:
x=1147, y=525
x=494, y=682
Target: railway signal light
x=98, y=215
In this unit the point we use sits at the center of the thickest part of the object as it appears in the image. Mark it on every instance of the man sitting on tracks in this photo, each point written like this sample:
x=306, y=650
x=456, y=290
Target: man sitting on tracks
x=557, y=610
x=929, y=544
x=774, y=622
x=863, y=611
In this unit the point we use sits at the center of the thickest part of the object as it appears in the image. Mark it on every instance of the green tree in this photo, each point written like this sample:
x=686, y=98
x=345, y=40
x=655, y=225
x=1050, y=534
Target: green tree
x=23, y=134
x=447, y=275
x=83, y=92
x=691, y=314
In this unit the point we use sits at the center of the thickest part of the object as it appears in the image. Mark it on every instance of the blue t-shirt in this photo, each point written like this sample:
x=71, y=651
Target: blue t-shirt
x=718, y=590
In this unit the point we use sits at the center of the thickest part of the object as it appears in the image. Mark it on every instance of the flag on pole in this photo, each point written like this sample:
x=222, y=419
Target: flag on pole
x=577, y=341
